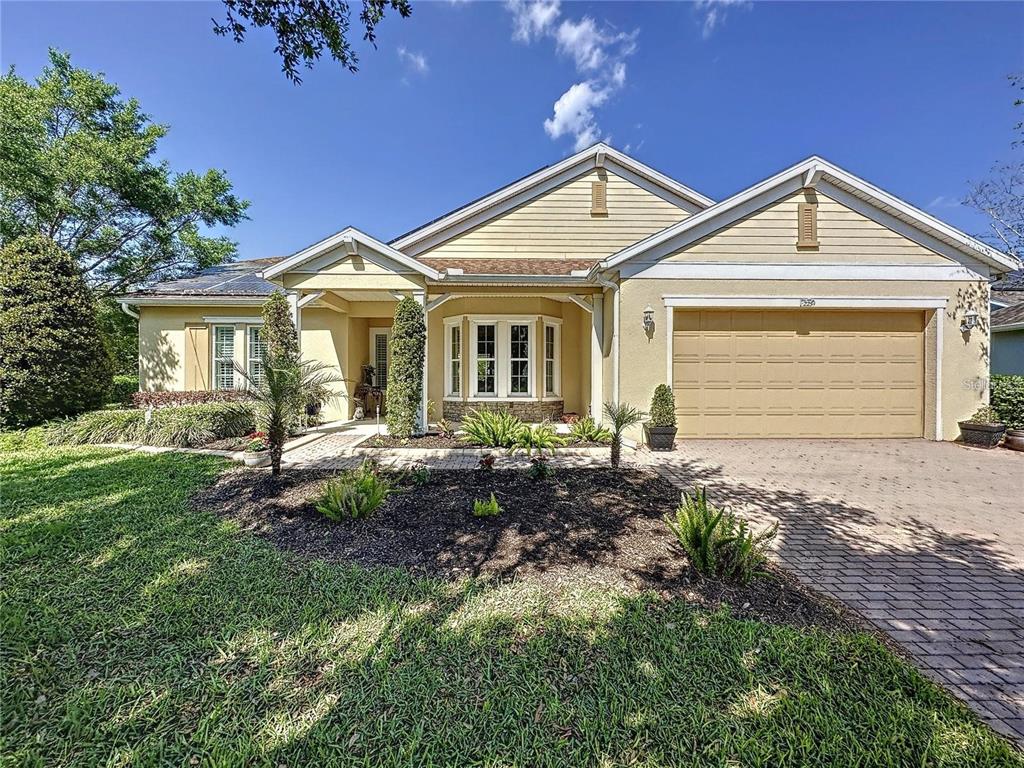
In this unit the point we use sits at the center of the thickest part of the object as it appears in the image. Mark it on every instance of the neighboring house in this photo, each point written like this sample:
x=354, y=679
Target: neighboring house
x=811, y=304
x=1008, y=324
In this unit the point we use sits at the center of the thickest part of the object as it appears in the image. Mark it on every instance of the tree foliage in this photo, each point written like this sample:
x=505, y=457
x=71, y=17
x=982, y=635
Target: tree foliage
x=278, y=331
x=52, y=359
x=405, y=377
x=304, y=28
x=77, y=166
x=1001, y=195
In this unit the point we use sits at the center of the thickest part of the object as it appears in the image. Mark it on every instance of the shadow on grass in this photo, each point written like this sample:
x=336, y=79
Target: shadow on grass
x=146, y=632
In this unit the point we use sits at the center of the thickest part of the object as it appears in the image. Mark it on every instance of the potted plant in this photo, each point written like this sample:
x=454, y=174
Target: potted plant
x=257, y=450
x=983, y=429
x=661, y=429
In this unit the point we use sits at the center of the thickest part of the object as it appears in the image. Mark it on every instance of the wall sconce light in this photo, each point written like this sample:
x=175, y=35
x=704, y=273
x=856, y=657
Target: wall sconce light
x=648, y=318
x=970, y=321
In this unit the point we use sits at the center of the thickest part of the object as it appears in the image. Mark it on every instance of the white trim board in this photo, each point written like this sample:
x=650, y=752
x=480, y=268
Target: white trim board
x=799, y=302
x=688, y=270
x=1008, y=327
x=229, y=320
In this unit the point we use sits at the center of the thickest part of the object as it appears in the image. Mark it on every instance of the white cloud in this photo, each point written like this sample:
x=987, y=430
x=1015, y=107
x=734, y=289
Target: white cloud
x=713, y=13
x=417, y=61
x=532, y=19
x=598, y=52
x=944, y=202
x=574, y=114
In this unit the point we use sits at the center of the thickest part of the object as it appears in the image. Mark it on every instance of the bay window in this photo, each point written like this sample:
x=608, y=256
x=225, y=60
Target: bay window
x=519, y=359
x=552, y=355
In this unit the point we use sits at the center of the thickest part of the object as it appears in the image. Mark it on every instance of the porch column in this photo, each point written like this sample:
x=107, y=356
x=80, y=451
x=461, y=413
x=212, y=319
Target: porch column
x=296, y=312
x=421, y=299
x=597, y=357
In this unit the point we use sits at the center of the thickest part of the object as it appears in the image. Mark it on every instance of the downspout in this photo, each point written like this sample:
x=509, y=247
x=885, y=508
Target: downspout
x=614, y=288
x=128, y=310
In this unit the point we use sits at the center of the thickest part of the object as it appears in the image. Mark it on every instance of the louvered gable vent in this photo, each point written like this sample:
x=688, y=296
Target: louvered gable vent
x=598, y=198
x=807, y=225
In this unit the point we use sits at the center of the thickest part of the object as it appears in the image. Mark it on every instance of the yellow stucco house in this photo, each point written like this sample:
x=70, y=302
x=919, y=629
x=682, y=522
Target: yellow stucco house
x=811, y=304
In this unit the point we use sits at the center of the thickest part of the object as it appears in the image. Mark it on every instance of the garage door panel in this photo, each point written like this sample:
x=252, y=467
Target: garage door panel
x=816, y=373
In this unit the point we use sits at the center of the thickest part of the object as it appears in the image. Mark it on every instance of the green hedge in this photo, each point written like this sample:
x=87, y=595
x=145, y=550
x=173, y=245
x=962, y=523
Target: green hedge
x=186, y=426
x=123, y=389
x=1007, y=397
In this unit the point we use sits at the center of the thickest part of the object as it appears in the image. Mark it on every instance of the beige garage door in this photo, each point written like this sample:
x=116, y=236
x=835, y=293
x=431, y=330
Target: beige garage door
x=809, y=373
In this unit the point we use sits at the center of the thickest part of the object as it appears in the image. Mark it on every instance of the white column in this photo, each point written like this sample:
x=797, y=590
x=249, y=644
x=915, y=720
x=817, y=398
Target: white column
x=296, y=312
x=421, y=299
x=597, y=357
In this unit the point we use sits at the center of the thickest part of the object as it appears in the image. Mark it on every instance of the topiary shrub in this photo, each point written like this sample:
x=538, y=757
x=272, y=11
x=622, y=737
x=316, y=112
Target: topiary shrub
x=124, y=389
x=1006, y=395
x=663, y=407
x=52, y=359
x=405, y=379
x=278, y=331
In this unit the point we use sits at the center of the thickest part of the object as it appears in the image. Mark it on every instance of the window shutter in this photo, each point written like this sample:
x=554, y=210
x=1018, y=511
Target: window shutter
x=807, y=225
x=598, y=198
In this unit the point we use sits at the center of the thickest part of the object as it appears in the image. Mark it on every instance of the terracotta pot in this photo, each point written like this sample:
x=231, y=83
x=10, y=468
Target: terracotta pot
x=981, y=435
x=1014, y=439
x=660, y=438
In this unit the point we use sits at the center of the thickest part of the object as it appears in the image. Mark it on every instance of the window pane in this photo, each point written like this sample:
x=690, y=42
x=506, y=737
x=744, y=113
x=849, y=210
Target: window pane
x=380, y=359
x=224, y=356
x=456, y=383
x=519, y=359
x=485, y=341
x=256, y=353
x=485, y=377
x=549, y=376
x=520, y=381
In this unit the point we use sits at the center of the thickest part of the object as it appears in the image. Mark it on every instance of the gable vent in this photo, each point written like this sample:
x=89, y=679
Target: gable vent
x=807, y=225
x=598, y=198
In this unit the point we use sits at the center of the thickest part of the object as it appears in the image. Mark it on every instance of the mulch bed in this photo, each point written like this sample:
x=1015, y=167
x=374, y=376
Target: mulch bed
x=435, y=440
x=582, y=526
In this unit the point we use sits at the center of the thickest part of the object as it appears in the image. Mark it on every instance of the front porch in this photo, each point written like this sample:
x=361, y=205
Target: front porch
x=527, y=350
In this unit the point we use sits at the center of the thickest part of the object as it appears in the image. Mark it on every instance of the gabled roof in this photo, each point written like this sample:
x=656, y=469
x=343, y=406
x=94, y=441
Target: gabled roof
x=836, y=183
x=545, y=179
x=351, y=238
x=1008, y=318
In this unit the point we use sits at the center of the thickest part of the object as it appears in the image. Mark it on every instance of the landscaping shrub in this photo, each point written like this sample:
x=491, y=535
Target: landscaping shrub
x=191, y=397
x=540, y=469
x=419, y=474
x=716, y=541
x=445, y=429
x=278, y=331
x=489, y=508
x=486, y=462
x=355, y=495
x=405, y=379
x=492, y=429
x=663, y=407
x=1006, y=395
x=187, y=426
x=984, y=415
x=622, y=416
x=586, y=430
x=539, y=438
x=124, y=389
x=52, y=360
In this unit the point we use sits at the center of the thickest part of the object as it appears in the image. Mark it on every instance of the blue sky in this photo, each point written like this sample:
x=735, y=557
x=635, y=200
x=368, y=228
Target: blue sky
x=462, y=98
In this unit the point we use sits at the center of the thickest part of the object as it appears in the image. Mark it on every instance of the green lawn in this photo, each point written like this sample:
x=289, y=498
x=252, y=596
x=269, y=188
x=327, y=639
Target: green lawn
x=137, y=631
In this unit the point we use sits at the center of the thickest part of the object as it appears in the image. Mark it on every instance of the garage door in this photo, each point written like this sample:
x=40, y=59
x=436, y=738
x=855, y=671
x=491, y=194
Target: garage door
x=809, y=373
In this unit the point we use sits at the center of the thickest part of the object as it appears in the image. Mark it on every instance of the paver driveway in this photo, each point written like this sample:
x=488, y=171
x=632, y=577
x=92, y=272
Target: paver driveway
x=925, y=539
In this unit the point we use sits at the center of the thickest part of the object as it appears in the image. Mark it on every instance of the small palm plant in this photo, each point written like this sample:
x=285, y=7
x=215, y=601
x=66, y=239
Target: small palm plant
x=280, y=395
x=620, y=417
x=539, y=438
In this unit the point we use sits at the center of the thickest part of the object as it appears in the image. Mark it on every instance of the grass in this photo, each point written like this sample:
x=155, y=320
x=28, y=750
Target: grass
x=137, y=631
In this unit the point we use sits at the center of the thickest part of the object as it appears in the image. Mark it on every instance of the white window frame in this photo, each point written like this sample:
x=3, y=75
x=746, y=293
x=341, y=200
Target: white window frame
x=374, y=333
x=250, y=358
x=451, y=326
x=474, y=359
x=217, y=359
x=531, y=371
x=556, y=392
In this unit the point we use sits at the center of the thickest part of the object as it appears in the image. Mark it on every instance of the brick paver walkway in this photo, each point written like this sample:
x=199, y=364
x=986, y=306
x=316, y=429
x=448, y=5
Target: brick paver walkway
x=925, y=539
